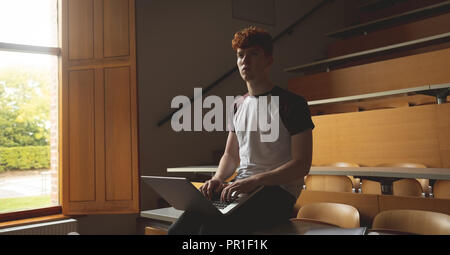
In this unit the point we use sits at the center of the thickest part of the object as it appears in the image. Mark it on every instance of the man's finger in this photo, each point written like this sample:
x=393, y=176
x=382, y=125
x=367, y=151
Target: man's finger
x=211, y=190
x=205, y=189
x=230, y=193
x=224, y=193
x=208, y=191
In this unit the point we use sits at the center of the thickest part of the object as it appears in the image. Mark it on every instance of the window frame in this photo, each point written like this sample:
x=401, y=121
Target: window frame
x=56, y=51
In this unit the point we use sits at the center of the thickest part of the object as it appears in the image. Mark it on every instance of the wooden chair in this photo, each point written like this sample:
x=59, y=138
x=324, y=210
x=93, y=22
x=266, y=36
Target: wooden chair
x=333, y=109
x=412, y=222
x=425, y=103
x=441, y=189
x=424, y=183
x=371, y=187
x=232, y=176
x=356, y=181
x=383, y=104
x=198, y=184
x=412, y=165
x=334, y=183
x=340, y=215
x=342, y=164
x=407, y=187
x=155, y=231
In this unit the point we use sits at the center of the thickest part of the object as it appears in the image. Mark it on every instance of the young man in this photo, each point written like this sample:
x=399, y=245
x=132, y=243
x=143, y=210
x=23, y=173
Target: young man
x=278, y=165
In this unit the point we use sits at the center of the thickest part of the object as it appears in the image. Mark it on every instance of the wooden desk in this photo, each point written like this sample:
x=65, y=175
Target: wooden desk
x=168, y=214
x=162, y=218
x=159, y=219
x=193, y=169
x=296, y=228
x=389, y=172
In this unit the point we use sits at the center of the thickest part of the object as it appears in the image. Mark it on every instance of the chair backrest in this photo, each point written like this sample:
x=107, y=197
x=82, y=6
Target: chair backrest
x=155, y=231
x=198, y=184
x=341, y=215
x=371, y=187
x=232, y=176
x=355, y=181
x=412, y=165
x=334, y=183
x=413, y=222
x=441, y=189
x=407, y=187
x=342, y=164
x=383, y=107
x=425, y=183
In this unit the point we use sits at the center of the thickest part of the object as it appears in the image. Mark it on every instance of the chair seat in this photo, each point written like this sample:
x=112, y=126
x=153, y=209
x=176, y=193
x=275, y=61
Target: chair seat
x=341, y=215
x=413, y=222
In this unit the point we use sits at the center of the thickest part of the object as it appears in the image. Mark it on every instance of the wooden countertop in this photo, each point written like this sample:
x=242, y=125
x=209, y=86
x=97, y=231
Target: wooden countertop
x=397, y=172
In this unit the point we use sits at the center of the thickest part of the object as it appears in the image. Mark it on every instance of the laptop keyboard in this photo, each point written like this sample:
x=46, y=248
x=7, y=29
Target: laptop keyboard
x=219, y=204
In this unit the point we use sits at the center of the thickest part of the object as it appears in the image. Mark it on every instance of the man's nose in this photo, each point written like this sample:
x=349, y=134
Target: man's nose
x=245, y=59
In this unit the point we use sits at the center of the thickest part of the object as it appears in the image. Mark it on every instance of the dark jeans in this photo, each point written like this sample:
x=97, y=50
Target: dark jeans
x=269, y=207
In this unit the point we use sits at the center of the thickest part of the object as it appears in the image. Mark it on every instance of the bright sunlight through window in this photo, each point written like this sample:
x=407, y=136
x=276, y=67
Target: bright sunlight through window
x=28, y=105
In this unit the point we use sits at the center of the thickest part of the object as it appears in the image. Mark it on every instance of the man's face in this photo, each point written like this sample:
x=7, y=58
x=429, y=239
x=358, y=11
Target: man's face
x=253, y=63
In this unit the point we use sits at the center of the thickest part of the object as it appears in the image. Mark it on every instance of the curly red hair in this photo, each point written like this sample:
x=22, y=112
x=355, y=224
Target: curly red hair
x=253, y=36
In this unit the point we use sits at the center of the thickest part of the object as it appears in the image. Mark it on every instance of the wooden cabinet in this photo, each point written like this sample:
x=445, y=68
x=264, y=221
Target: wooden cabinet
x=98, y=96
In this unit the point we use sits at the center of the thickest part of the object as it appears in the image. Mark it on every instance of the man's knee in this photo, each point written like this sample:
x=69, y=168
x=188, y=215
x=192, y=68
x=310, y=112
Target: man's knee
x=187, y=224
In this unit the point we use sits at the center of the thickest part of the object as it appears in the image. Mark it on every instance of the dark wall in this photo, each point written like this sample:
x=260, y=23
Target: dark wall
x=187, y=44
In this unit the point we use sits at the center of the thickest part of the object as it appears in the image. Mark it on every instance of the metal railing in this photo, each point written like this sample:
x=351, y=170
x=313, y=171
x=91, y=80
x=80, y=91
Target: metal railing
x=287, y=31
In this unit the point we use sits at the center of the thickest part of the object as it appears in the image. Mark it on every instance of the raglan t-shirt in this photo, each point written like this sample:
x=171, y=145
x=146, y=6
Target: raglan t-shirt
x=264, y=125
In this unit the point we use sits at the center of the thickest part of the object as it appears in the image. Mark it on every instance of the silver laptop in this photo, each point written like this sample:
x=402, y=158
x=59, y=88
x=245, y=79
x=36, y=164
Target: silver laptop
x=182, y=195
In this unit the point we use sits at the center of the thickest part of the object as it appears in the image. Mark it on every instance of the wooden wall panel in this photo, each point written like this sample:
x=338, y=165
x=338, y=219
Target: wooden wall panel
x=118, y=134
x=388, y=202
x=406, y=72
x=81, y=29
x=443, y=128
x=81, y=136
x=99, y=53
x=410, y=134
x=116, y=28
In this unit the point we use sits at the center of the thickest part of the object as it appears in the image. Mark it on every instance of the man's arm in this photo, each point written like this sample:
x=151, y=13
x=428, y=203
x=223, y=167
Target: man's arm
x=296, y=168
x=227, y=166
x=230, y=159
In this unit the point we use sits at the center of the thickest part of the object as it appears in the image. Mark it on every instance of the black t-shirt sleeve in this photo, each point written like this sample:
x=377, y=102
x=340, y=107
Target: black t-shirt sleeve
x=232, y=111
x=298, y=117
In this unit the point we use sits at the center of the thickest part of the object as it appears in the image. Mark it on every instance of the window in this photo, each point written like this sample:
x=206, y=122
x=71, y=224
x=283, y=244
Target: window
x=29, y=55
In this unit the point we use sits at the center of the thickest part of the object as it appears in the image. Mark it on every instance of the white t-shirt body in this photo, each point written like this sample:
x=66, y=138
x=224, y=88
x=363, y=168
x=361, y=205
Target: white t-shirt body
x=262, y=149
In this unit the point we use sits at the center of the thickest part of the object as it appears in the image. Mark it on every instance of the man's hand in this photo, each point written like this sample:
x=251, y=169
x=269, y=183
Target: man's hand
x=211, y=187
x=247, y=185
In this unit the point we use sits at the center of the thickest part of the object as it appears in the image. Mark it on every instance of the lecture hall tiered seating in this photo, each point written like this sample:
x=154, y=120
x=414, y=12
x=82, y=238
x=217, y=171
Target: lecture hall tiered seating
x=380, y=99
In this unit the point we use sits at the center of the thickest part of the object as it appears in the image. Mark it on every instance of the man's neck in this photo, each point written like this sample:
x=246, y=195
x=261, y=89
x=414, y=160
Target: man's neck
x=259, y=88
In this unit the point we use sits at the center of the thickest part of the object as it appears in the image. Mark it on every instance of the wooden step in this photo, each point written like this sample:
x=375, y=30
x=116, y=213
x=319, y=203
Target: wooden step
x=424, y=69
x=373, y=55
x=393, y=20
x=403, y=33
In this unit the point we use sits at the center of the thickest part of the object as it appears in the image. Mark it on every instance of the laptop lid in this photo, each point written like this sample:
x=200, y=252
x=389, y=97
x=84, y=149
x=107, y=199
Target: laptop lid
x=182, y=195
